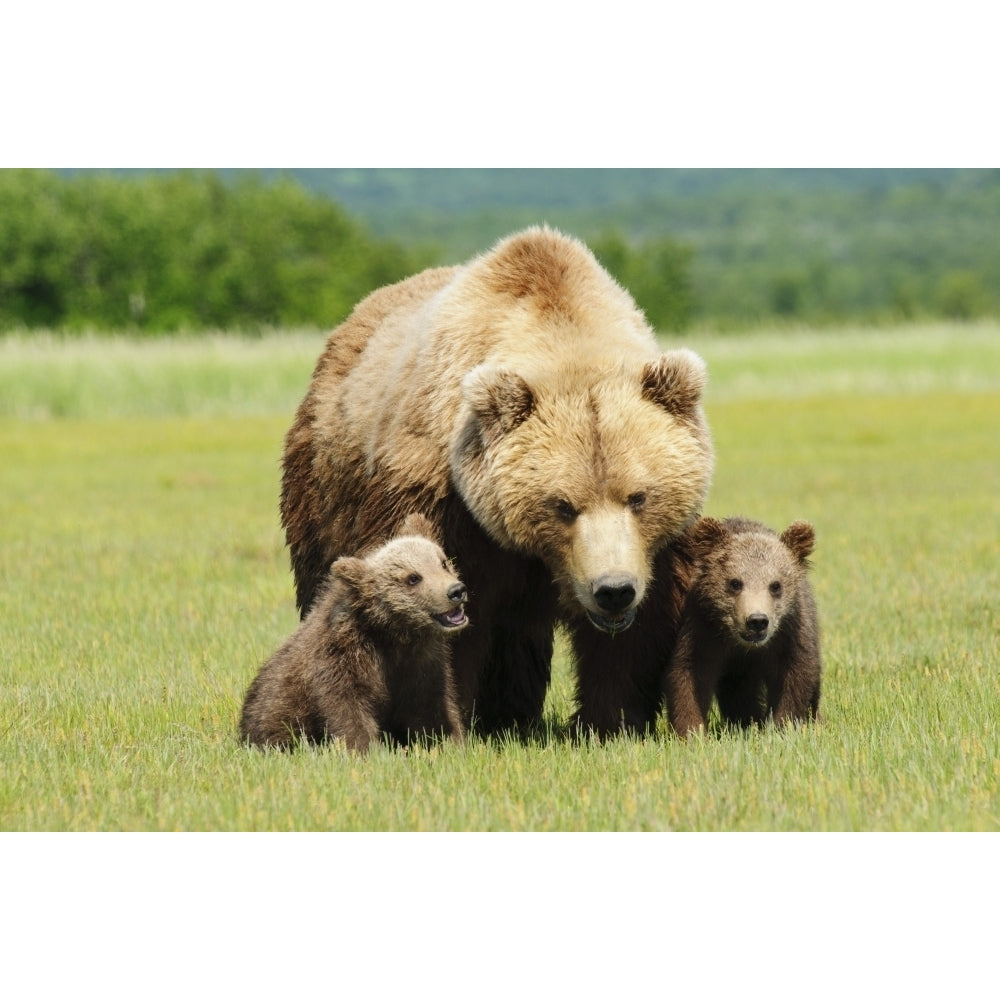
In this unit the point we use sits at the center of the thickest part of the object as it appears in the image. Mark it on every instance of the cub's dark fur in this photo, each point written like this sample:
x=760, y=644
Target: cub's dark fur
x=749, y=635
x=371, y=659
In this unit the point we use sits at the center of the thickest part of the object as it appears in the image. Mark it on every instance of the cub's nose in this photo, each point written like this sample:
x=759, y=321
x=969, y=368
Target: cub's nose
x=757, y=623
x=614, y=594
x=457, y=593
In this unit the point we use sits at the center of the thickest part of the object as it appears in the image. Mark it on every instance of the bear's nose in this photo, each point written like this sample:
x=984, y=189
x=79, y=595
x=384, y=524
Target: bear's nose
x=614, y=594
x=757, y=623
x=456, y=593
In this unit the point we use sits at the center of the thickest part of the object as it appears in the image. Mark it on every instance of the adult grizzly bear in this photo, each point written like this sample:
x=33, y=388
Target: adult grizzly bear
x=370, y=659
x=522, y=403
x=749, y=635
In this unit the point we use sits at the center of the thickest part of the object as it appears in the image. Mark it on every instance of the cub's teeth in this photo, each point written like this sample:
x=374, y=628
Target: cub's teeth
x=452, y=618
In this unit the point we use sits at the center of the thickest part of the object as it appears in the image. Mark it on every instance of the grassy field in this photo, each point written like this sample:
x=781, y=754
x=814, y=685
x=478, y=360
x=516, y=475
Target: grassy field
x=144, y=580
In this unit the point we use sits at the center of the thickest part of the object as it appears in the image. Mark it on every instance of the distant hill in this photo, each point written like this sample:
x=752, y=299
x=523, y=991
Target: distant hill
x=401, y=202
x=809, y=244
x=465, y=209
x=376, y=193
x=821, y=245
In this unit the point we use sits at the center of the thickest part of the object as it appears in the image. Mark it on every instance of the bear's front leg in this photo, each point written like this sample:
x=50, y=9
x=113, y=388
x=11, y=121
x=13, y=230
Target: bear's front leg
x=358, y=730
x=793, y=695
x=689, y=686
x=351, y=712
x=617, y=679
x=741, y=694
x=515, y=678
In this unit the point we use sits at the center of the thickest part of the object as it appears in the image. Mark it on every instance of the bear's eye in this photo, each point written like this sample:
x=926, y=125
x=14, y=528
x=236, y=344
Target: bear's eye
x=566, y=511
x=636, y=501
x=413, y=579
x=734, y=585
x=775, y=589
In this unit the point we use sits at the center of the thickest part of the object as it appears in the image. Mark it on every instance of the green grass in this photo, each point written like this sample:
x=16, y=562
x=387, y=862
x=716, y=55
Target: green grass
x=144, y=580
x=214, y=374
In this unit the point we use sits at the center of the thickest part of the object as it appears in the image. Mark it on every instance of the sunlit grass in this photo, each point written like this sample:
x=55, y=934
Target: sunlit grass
x=144, y=579
x=44, y=375
x=798, y=362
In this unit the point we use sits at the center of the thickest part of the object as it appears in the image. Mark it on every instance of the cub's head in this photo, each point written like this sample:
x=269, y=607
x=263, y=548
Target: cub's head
x=749, y=576
x=592, y=469
x=408, y=583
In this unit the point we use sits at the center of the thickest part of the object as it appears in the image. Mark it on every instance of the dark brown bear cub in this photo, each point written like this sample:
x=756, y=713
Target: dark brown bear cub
x=371, y=659
x=749, y=635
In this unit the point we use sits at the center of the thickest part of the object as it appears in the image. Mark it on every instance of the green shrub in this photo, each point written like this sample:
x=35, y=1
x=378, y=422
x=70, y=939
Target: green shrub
x=657, y=273
x=960, y=295
x=182, y=250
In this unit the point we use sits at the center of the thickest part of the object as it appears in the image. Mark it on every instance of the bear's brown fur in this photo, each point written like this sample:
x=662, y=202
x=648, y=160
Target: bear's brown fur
x=630, y=665
x=522, y=403
x=371, y=657
x=749, y=635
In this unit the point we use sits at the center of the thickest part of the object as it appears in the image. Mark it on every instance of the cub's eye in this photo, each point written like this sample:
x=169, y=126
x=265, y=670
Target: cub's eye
x=734, y=586
x=636, y=502
x=413, y=579
x=775, y=589
x=566, y=511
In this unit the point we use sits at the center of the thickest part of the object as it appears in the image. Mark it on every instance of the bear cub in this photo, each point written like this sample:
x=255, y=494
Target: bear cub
x=749, y=635
x=371, y=659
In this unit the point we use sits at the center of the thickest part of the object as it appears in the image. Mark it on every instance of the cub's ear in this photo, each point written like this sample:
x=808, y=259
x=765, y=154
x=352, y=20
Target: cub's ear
x=351, y=570
x=675, y=381
x=706, y=533
x=800, y=539
x=500, y=399
x=417, y=524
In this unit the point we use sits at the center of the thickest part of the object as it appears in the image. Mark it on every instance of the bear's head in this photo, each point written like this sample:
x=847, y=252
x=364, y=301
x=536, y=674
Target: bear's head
x=749, y=577
x=407, y=583
x=592, y=469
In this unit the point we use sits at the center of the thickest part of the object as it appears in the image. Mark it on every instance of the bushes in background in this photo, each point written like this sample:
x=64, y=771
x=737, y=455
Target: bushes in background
x=181, y=250
x=160, y=251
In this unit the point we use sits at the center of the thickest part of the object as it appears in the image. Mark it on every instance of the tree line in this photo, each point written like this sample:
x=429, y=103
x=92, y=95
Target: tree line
x=171, y=250
x=167, y=252
x=802, y=245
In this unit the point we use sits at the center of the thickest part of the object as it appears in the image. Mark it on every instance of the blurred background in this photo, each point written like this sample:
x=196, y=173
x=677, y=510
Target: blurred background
x=155, y=251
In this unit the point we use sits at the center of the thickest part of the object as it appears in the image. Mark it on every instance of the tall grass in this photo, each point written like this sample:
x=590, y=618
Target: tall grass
x=99, y=377
x=145, y=579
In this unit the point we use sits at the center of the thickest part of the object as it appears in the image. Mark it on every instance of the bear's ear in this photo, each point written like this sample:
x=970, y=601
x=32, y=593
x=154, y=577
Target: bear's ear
x=417, y=524
x=675, y=381
x=800, y=539
x=706, y=533
x=351, y=570
x=500, y=399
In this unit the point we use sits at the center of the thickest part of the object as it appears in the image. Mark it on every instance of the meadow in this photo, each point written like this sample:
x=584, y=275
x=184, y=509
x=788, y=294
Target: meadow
x=144, y=580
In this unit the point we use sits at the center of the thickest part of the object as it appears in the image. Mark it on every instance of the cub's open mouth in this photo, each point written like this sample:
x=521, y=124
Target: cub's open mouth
x=452, y=619
x=612, y=624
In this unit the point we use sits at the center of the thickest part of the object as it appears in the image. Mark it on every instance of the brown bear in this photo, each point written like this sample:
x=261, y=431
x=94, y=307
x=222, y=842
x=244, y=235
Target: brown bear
x=371, y=658
x=749, y=635
x=522, y=402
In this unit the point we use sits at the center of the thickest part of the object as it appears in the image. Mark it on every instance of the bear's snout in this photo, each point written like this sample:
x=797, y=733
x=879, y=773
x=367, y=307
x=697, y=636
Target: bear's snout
x=614, y=594
x=756, y=626
x=454, y=620
x=608, y=566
